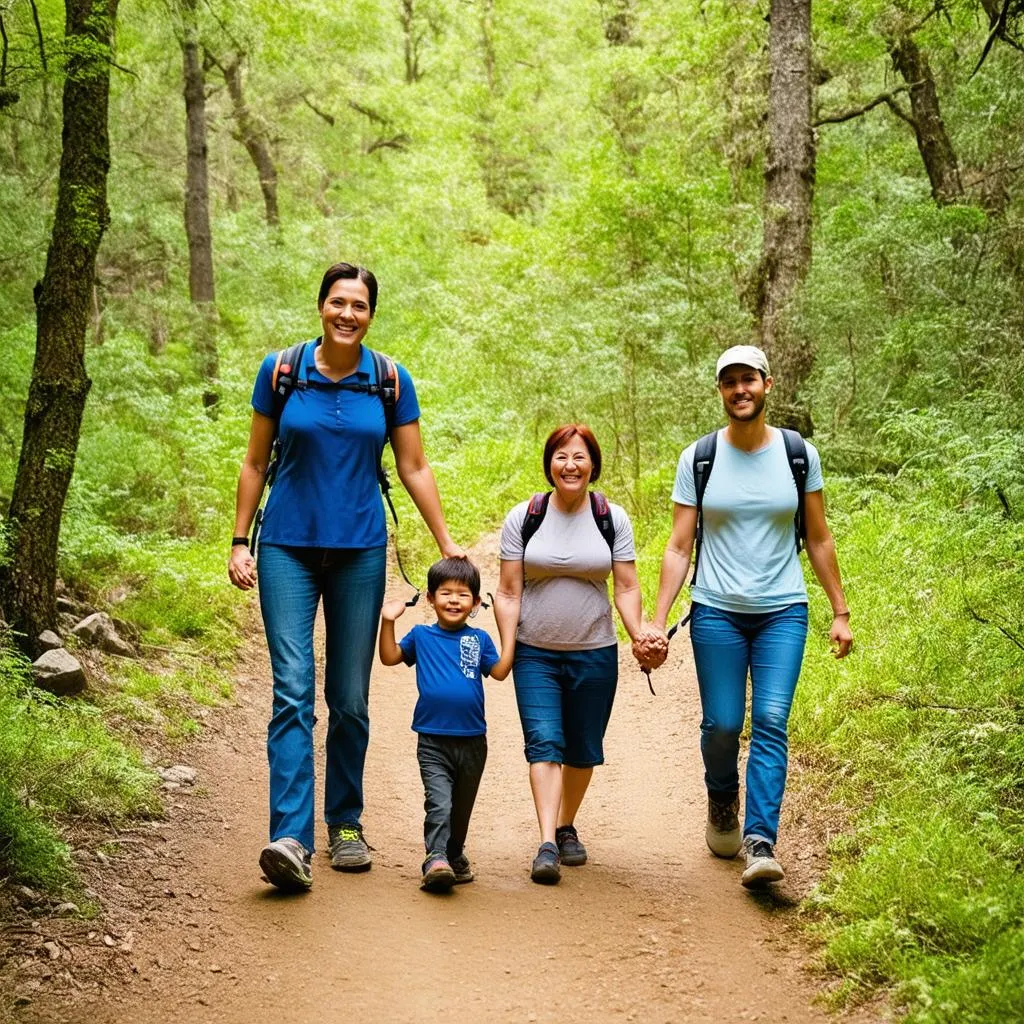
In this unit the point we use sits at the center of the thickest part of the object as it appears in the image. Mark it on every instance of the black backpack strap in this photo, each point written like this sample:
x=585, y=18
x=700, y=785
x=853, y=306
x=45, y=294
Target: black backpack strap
x=703, y=461
x=796, y=454
x=387, y=388
x=535, y=513
x=603, y=517
x=285, y=378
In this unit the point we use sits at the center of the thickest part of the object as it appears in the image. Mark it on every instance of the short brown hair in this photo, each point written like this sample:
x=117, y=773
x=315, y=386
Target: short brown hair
x=351, y=272
x=560, y=435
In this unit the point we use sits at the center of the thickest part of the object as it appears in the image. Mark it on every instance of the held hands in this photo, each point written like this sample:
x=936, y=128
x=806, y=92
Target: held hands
x=391, y=610
x=839, y=636
x=242, y=568
x=650, y=647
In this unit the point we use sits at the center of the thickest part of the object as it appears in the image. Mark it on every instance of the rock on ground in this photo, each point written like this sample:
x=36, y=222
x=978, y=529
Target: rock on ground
x=98, y=630
x=58, y=672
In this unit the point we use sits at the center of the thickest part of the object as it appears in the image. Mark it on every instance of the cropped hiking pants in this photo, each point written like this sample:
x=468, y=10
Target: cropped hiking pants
x=292, y=583
x=726, y=647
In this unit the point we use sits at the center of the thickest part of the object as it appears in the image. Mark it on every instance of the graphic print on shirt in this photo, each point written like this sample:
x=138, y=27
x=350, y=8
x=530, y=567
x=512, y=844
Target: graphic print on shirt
x=469, y=655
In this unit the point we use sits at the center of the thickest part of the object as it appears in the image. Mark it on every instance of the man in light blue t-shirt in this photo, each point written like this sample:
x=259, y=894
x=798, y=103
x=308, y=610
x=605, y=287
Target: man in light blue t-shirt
x=749, y=605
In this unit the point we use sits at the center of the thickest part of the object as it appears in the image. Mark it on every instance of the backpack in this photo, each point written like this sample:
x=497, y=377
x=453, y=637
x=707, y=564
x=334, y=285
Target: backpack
x=538, y=508
x=704, y=460
x=286, y=379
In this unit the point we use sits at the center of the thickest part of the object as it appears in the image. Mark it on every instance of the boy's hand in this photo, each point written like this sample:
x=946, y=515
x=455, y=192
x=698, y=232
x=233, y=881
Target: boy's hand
x=391, y=610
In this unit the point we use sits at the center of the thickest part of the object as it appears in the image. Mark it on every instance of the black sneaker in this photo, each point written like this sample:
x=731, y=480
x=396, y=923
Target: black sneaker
x=349, y=850
x=762, y=867
x=285, y=863
x=723, y=828
x=463, y=869
x=571, y=851
x=545, y=869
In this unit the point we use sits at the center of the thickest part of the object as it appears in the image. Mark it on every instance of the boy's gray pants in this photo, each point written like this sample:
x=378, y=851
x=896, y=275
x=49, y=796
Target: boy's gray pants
x=451, y=767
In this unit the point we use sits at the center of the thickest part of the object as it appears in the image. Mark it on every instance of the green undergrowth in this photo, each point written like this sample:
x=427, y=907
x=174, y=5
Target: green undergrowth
x=921, y=733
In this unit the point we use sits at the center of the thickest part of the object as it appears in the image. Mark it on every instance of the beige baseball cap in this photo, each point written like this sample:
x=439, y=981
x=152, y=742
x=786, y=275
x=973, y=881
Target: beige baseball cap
x=742, y=355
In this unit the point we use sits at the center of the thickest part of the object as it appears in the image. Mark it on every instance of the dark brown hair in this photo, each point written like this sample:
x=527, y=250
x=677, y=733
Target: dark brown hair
x=560, y=435
x=458, y=570
x=351, y=272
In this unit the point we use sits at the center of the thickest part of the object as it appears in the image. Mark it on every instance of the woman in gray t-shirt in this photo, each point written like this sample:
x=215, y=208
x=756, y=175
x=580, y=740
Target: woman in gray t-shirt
x=553, y=597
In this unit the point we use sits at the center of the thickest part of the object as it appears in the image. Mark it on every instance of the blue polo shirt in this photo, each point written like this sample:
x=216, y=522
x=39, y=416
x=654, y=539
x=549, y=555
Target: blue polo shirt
x=326, y=493
x=449, y=664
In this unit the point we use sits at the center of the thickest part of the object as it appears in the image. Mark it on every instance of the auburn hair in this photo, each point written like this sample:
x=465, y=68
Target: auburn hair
x=560, y=436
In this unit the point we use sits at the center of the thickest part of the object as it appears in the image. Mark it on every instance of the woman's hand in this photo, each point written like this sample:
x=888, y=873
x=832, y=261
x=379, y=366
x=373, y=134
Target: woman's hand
x=650, y=647
x=242, y=567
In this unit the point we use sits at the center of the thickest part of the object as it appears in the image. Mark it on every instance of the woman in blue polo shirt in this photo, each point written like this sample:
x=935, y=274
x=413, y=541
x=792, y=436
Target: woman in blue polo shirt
x=324, y=537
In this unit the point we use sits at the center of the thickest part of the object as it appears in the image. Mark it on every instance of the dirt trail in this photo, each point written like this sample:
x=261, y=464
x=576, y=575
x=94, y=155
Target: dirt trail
x=652, y=929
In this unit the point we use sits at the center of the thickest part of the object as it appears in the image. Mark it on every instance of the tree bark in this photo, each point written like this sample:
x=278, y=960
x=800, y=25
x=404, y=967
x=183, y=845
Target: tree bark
x=412, y=33
x=788, y=194
x=926, y=119
x=253, y=138
x=59, y=385
x=197, y=207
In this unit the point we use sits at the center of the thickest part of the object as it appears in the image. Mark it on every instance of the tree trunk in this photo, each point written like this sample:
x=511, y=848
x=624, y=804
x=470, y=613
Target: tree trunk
x=412, y=34
x=254, y=139
x=788, y=193
x=926, y=119
x=197, y=207
x=59, y=385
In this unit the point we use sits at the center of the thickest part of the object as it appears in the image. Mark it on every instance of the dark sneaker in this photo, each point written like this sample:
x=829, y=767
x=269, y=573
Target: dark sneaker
x=437, y=875
x=762, y=867
x=286, y=864
x=723, y=829
x=545, y=868
x=463, y=870
x=349, y=851
x=571, y=852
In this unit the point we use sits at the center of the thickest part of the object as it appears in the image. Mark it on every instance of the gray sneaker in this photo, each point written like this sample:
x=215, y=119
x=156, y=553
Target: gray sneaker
x=723, y=828
x=285, y=863
x=349, y=850
x=463, y=869
x=762, y=867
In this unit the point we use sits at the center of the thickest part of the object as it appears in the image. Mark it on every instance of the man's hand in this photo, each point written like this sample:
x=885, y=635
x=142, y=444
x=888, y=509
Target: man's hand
x=839, y=636
x=392, y=610
x=650, y=647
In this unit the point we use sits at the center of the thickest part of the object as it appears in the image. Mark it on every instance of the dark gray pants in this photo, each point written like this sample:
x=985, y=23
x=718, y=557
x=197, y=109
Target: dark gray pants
x=451, y=767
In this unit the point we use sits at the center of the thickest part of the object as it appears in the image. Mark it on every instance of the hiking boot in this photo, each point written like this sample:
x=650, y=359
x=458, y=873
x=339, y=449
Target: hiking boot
x=571, y=852
x=285, y=863
x=723, y=828
x=762, y=867
x=349, y=851
x=545, y=869
x=463, y=870
x=437, y=875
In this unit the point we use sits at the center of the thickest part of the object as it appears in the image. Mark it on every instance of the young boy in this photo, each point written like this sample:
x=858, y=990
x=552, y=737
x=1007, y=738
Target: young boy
x=450, y=659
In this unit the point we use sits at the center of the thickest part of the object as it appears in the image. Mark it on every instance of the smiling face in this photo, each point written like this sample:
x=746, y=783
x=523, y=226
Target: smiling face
x=743, y=391
x=571, y=468
x=345, y=313
x=452, y=602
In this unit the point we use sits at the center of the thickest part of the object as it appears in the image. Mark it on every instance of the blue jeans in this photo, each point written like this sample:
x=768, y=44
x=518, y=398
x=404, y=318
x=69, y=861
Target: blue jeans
x=292, y=582
x=565, y=700
x=726, y=645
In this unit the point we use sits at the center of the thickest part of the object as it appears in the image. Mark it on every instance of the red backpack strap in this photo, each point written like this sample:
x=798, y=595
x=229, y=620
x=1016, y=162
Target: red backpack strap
x=535, y=513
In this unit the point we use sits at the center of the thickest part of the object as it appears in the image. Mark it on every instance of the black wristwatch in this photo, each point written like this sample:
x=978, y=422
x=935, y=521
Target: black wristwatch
x=235, y=541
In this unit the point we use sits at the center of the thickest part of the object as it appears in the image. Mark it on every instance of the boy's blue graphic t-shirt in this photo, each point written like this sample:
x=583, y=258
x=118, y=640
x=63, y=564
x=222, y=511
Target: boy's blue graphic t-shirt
x=449, y=669
x=326, y=493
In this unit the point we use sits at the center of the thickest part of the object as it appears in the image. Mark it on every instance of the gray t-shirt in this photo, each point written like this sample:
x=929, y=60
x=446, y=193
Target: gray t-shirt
x=565, y=569
x=748, y=560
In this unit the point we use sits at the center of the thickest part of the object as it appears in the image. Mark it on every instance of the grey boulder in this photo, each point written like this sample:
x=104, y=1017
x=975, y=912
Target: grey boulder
x=58, y=672
x=98, y=630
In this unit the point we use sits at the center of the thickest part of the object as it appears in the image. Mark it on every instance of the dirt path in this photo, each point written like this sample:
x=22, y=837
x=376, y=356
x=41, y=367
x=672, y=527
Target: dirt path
x=653, y=929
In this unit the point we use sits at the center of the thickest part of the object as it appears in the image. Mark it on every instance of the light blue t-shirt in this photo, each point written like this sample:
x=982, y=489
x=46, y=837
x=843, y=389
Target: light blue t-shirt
x=449, y=665
x=748, y=559
x=326, y=493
